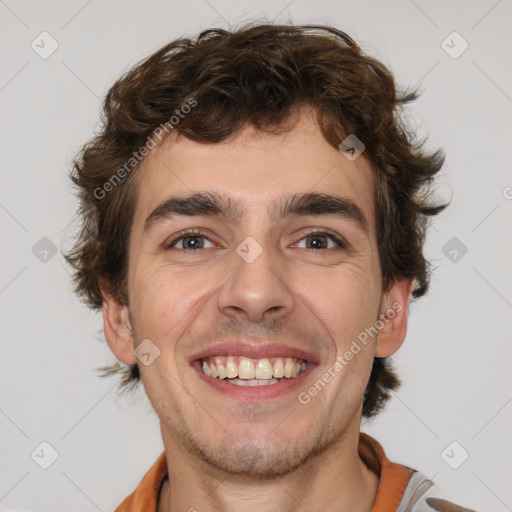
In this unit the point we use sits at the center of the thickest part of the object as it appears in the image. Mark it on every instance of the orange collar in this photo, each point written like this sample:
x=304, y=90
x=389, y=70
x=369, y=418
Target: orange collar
x=393, y=479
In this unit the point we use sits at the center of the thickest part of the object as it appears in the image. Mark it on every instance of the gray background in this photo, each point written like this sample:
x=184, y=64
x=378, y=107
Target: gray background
x=456, y=360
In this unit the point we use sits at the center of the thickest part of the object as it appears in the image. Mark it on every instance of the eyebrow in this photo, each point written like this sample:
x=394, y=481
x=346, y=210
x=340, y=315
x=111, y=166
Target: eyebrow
x=216, y=204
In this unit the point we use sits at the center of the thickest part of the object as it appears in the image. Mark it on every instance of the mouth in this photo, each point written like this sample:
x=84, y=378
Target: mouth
x=253, y=373
x=244, y=371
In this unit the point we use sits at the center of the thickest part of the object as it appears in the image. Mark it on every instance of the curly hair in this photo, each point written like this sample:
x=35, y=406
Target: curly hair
x=260, y=74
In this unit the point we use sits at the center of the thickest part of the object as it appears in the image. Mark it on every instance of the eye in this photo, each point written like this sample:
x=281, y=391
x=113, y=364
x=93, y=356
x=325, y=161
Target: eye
x=195, y=234
x=319, y=235
x=190, y=236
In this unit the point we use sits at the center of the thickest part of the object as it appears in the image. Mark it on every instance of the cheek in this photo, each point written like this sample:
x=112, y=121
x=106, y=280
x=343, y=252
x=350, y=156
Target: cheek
x=166, y=301
x=347, y=303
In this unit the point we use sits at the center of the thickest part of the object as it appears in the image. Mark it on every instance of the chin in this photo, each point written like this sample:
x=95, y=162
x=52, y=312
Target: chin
x=263, y=458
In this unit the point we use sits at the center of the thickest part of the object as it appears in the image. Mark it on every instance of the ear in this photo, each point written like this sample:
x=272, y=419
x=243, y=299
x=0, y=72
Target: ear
x=394, y=308
x=117, y=327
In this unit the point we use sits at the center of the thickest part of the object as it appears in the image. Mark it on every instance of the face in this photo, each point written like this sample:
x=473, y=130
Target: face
x=272, y=291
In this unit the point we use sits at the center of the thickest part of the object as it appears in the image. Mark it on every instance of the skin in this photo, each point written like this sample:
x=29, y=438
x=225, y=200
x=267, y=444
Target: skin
x=223, y=454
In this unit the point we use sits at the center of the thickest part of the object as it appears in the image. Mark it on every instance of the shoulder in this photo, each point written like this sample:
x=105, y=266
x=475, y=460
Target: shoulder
x=422, y=495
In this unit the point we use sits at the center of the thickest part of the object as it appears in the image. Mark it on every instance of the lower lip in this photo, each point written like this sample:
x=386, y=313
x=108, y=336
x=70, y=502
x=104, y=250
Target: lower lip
x=254, y=393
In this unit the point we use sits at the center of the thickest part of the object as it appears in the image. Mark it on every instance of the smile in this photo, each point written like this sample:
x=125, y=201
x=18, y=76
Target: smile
x=244, y=371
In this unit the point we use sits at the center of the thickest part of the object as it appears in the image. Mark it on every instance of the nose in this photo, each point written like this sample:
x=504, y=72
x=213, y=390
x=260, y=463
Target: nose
x=255, y=288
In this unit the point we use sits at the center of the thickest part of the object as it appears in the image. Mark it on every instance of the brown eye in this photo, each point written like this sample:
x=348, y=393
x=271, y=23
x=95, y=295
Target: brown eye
x=318, y=237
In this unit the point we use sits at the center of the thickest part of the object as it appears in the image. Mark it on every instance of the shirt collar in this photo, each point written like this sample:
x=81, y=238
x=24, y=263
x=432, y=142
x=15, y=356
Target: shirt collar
x=393, y=479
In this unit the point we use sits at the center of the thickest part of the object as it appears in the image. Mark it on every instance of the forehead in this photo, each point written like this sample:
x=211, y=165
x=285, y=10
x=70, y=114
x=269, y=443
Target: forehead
x=254, y=169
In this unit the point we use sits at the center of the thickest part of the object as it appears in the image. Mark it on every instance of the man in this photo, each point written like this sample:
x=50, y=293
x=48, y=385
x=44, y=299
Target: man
x=254, y=218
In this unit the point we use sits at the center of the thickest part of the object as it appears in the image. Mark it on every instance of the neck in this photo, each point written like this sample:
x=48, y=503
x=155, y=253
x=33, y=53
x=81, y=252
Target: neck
x=336, y=479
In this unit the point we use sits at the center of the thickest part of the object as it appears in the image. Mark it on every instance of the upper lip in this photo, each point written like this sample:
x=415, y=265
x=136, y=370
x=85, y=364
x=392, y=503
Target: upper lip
x=257, y=350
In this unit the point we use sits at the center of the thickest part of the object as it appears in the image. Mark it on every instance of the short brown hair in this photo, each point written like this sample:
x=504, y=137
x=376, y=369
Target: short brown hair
x=259, y=75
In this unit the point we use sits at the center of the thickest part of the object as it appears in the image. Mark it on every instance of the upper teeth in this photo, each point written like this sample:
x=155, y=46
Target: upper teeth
x=222, y=367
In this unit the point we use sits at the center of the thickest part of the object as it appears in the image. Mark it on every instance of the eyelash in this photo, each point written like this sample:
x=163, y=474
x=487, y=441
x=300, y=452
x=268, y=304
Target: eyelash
x=198, y=233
